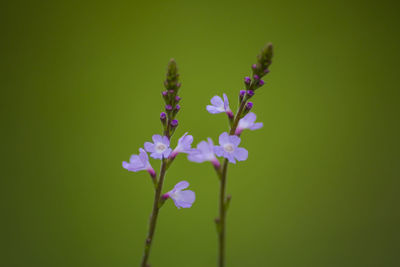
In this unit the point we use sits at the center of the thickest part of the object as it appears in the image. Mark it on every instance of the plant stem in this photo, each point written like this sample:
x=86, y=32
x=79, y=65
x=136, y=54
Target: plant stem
x=154, y=214
x=222, y=196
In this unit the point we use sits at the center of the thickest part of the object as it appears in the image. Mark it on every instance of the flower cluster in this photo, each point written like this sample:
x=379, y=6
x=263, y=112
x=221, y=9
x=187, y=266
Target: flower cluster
x=160, y=148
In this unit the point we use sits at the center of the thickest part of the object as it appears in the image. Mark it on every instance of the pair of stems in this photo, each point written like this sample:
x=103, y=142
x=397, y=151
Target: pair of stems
x=223, y=199
x=222, y=202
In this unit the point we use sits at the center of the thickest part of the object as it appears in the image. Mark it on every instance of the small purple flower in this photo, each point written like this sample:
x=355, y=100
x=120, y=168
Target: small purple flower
x=242, y=93
x=178, y=107
x=256, y=77
x=168, y=107
x=261, y=82
x=229, y=149
x=184, y=145
x=139, y=163
x=177, y=98
x=247, y=80
x=219, y=106
x=248, y=122
x=159, y=148
x=163, y=116
x=182, y=199
x=204, y=152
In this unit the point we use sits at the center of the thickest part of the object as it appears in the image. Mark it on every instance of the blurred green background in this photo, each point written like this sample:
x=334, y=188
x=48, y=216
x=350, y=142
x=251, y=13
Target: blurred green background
x=80, y=93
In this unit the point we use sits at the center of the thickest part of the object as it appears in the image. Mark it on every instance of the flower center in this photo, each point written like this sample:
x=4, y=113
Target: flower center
x=160, y=147
x=229, y=148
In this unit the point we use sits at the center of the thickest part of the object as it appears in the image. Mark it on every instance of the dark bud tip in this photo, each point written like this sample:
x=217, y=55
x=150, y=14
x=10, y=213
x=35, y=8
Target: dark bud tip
x=165, y=196
x=266, y=71
x=250, y=93
x=168, y=107
x=174, y=123
x=163, y=116
x=249, y=105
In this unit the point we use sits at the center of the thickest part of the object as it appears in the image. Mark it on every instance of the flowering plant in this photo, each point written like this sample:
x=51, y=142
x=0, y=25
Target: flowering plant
x=228, y=147
x=160, y=149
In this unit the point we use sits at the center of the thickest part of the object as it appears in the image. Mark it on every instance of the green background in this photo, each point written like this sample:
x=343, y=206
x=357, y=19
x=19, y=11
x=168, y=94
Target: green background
x=80, y=92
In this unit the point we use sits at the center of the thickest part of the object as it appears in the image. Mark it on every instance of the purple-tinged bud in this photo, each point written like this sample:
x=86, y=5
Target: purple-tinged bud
x=163, y=116
x=247, y=80
x=250, y=93
x=230, y=114
x=266, y=71
x=171, y=91
x=164, y=93
x=242, y=93
x=177, y=107
x=256, y=77
x=254, y=66
x=261, y=82
x=177, y=98
x=165, y=196
x=174, y=123
x=168, y=107
x=178, y=85
x=249, y=106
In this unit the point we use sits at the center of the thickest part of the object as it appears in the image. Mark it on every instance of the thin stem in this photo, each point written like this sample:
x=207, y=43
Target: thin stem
x=154, y=214
x=222, y=214
x=221, y=223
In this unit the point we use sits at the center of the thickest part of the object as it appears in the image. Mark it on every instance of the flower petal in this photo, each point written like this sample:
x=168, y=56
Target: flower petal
x=223, y=138
x=214, y=110
x=156, y=155
x=241, y=154
x=256, y=126
x=234, y=139
x=251, y=118
x=143, y=156
x=181, y=185
x=230, y=157
x=185, y=199
x=165, y=140
x=219, y=151
x=149, y=147
x=167, y=152
x=157, y=138
x=216, y=101
x=226, y=103
x=196, y=156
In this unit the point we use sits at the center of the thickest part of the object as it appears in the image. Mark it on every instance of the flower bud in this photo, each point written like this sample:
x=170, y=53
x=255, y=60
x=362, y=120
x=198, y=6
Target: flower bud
x=256, y=77
x=249, y=106
x=241, y=95
x=177, y=98
x=247, y=80
x=261, y=83
x=250, y=93
x=168, y=107
x=174, y=123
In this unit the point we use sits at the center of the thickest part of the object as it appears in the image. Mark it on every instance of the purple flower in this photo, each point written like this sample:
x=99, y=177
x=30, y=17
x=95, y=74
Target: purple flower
x=184, y=145
x=248, y=122
x=219, y=106
x=139, y=163
x=204, y=152
x=182, y=199
x=229, y=148
x=160, y=147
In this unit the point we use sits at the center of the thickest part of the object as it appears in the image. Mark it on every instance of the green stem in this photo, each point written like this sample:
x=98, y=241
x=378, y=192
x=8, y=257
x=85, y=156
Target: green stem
x=221, y=223
x=154, y=214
